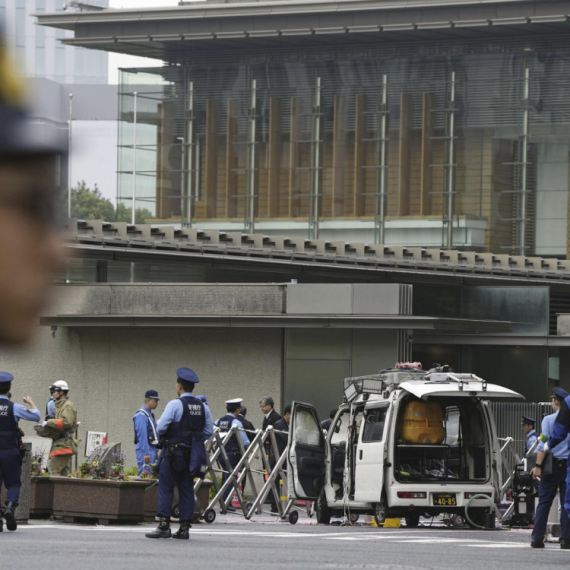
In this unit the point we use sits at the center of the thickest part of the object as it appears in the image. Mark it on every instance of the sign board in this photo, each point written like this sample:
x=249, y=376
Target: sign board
x=94, y=440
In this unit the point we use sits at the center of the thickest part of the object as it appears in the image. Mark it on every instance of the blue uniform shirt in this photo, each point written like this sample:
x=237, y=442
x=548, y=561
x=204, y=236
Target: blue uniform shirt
x=141, y=428
x=562, y=450
x=242, y=434
x=50, y=409
x=531, y=437
x=173, y=413
x=22, y=413
x=560, y=430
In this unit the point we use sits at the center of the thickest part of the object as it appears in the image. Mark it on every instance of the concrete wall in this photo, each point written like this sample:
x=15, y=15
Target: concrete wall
x=109, y=371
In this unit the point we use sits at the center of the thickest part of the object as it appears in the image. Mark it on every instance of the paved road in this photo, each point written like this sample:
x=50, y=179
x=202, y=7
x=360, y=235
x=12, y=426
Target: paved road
x=254, y=545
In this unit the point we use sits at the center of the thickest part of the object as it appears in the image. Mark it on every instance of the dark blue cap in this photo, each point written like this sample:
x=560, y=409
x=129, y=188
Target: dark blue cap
x=188, y=375
x=152, y=394
x=560, y=392
x=528, y=421
x=203, y=399
x=5, y=377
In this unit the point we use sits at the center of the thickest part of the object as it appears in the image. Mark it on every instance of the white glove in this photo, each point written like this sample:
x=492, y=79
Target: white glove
x=44, y=423
x=546, y=449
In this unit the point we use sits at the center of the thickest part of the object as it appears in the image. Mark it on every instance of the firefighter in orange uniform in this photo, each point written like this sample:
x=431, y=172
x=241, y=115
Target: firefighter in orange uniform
x=64, y=445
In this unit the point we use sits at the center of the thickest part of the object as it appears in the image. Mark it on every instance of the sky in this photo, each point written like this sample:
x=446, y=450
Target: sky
x=117, y=60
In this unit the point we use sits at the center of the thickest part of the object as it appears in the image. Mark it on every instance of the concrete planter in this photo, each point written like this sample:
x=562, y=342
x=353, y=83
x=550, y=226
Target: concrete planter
x=41, y=497
x=102, y=500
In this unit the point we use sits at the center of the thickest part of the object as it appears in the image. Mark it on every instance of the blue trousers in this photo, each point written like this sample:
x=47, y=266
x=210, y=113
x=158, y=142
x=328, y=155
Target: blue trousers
x=549, y=484
x=232, y=456
x=144, y=467
x=11, y=473
x=567, y=499
x=175, y=470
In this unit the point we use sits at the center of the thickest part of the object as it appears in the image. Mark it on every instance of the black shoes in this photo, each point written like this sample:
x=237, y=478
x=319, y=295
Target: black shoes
x=1, y=522
x=182, y=532
x=537, y=543
x=163, y=530
x=9, y=515
x=565, y=544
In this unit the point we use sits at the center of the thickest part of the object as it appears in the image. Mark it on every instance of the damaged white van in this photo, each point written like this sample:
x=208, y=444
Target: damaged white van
x=403, y=444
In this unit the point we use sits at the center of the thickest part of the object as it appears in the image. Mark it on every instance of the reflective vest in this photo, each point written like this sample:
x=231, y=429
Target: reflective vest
x=9, y=433
x=191, y=424
x=225, y=424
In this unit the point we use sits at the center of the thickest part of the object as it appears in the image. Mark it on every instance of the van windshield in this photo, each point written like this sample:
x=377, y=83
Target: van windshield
x=441, y=439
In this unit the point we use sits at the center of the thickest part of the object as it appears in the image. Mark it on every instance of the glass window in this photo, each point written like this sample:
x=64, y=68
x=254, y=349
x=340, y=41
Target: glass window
x=374, y=421
x=340, y=430
x=307, y=429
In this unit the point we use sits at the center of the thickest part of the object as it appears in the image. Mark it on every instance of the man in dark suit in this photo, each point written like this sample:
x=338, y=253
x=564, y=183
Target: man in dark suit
x=246, y=423
x=271, y=418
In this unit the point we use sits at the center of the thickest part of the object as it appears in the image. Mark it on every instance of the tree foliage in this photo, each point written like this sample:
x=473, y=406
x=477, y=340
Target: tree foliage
x=90, y=204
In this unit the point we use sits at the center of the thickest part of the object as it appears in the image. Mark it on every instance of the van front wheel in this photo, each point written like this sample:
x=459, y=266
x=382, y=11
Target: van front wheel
x=323, y=510
x=380, y=511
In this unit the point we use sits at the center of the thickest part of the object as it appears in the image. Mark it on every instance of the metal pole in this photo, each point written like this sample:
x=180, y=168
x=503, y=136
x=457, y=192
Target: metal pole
x=250, y=203
x=134, y=157
x=380, y=210
x=70, y=148
x=450, y=159
x=182, y=145
x=314, y=198
x=524, y=158
x=190, y=139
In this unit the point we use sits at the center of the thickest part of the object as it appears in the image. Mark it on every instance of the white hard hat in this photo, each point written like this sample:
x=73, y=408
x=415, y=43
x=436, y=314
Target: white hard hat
x=60, y=384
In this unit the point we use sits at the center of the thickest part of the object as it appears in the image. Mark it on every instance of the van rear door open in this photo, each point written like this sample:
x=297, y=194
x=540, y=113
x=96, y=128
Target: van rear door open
x=306, y=459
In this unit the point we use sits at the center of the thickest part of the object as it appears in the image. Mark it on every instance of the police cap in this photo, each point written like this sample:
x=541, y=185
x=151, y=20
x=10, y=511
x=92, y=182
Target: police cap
x=5, y=377
x=559, y=392
x=187, y=375
x=526, y=421
x=235, y=401
x=203, y=399
x=151, y=394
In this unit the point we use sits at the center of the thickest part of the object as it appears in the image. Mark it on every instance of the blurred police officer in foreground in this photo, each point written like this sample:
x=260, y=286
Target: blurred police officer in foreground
x=560, y=430
x=146, y=434
x=529, y=432
x=29, y=246
x=64, y=425
x=183, y=427
x=551, y=482
x=10, y=446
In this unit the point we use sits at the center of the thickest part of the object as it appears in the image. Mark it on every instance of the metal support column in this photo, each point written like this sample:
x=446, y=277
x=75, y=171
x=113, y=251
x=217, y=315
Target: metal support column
x=450, y=180
x=315, y=193
x=134, y=158
x=521, y=214
x=381, y=147
x=249, y=222
x=70, y=148
x=189, y=158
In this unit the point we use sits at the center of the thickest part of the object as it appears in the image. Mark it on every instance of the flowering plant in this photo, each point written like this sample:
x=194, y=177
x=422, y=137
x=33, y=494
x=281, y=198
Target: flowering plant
x=36, y=464
x=96, y=469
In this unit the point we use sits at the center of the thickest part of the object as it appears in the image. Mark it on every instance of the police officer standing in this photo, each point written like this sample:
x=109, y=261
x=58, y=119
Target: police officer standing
x=146, y=435
x=560, y=430
x=183, y=427
x=225, y=423
x=529, y=431
x=551, y=482
x=50, y=407
x=10, y=442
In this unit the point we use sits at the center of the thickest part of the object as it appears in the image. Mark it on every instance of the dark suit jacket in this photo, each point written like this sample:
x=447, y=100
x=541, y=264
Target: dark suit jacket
x=273, y=418
x=281, y=440
x=246, y=423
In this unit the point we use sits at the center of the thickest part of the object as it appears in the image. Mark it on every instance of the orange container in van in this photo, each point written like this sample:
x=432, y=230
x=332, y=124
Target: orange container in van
x=422, y=423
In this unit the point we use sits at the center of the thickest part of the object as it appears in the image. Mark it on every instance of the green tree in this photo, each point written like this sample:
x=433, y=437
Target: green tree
x=87, y=204
x=125, y=214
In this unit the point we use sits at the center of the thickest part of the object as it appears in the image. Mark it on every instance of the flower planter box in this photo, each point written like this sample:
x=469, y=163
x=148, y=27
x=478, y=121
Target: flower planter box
x=151, y=498
x=41, y=497
x=98, y=499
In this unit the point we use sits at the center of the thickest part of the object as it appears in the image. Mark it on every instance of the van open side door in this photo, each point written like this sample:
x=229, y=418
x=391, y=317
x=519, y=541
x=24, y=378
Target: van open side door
x=306, y=455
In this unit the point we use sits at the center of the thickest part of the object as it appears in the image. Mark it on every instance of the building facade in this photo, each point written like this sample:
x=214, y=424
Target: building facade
x=39, y=51
x=397, y=125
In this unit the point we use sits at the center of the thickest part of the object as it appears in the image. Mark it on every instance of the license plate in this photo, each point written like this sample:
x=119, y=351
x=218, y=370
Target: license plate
x=445, y=499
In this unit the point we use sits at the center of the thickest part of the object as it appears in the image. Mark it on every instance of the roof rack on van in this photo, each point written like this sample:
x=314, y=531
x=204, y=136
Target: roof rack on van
x=460, y=378
x=378, y=383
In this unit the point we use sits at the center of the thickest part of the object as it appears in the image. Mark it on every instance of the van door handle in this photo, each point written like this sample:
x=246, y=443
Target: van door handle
x=360, y=457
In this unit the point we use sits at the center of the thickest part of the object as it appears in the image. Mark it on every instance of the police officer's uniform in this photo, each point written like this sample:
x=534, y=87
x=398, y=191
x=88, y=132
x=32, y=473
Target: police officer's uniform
x=531, y=436
x=560, y=430
x=50, y=409
x=183, y=427
x=225, y=423
x=146, y=434
x=10, y=444
x=551, y=482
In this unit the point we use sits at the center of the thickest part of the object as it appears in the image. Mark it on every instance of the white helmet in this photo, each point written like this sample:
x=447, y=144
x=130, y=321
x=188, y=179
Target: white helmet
x=59, y=385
